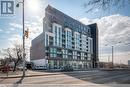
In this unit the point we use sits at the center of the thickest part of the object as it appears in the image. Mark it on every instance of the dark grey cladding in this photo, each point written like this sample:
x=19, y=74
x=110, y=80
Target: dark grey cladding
x=94, y=35
x=57, y=16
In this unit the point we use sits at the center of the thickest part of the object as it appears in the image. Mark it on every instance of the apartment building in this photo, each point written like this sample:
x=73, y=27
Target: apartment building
x=65, y=41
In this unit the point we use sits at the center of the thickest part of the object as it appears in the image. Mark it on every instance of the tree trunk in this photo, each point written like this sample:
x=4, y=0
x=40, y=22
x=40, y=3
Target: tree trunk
x=14, y=69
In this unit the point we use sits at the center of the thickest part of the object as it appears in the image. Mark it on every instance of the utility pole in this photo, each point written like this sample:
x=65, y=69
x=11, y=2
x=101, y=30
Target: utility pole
x=23, y=37
x=23, y=43
x=112, y=57
x=120, y=63
x=112, y=53
x=108, y=59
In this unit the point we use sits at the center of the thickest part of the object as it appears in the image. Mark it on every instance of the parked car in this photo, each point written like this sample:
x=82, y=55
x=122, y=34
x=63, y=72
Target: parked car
x=21, y=68
x=5, y=69
x=67, y=68
x=41, y=67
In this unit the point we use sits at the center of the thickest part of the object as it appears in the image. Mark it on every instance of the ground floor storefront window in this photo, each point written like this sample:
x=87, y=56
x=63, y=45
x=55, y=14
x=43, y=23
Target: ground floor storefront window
x=58, y=64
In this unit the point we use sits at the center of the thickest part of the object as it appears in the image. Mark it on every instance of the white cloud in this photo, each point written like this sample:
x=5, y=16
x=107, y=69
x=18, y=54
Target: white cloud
x=15, y=39
x=35, y=28
x=7, y=32
x=121, y=57
x=33, y=22
x=12, y=29
x=16, y=25
x=113, y=29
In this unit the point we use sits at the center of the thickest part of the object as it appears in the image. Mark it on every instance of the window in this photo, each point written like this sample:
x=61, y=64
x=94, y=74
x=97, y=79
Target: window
x=51, y=43
x=55, y=29
x=51, y=50
x=51, y=55
x=55, y=50
x=46, y=40
x=55, y=55
x=64, y=56
x=79, y=25
x=88, y=30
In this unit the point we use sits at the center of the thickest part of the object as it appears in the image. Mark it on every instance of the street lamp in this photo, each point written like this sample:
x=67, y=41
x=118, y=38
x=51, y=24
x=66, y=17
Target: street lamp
x=112, y=55
x=112, y=52
x=112, y=47
x=23, y=36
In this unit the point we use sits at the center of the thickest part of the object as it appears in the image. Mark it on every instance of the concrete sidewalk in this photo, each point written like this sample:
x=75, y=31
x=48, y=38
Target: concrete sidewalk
x=29, y=74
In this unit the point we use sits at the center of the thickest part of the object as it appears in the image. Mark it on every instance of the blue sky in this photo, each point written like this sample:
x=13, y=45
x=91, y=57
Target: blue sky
x=11, y=28
x=75, y=9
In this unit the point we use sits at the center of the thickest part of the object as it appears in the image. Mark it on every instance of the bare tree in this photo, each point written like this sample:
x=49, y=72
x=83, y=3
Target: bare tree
x=5, y=57
x=5, y=61
x=90, y=5
x=14, y=55
x=18, y=55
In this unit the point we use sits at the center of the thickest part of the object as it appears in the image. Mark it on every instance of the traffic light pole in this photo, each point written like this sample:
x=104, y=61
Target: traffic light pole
x=23, y=36
x=23, y=43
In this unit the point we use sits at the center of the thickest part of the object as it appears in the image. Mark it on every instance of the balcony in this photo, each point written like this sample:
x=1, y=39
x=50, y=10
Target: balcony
x=69, y=53
x=80, y=48
x=47, y=51
x=78, y=55
x=59, y=52
x=73, y=47
x=63, y=38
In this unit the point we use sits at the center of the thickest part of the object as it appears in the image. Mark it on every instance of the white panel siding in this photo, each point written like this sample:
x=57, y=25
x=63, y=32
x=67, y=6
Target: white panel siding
x=57, y=30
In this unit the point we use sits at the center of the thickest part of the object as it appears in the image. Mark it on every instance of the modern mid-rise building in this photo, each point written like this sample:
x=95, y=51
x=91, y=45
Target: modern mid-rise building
x=65, y=41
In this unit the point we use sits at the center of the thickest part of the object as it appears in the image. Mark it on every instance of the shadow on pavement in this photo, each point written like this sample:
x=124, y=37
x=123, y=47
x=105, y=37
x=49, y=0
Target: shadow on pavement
x=94, y=76
x=16, y=84
x=2, y=80
x=103, y=77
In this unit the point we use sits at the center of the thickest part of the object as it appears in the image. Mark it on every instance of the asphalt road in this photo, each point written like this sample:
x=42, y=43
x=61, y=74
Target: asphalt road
x=76, y=77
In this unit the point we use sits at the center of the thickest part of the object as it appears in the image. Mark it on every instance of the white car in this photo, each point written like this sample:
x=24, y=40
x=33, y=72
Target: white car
x=41, y=67
x=21, y=68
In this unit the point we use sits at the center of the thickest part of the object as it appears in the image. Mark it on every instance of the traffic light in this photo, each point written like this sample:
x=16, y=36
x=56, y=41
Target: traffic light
x=26, y=33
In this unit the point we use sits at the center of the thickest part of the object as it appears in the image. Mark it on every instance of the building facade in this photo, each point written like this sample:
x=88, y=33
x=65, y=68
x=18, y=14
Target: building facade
x=65, y=41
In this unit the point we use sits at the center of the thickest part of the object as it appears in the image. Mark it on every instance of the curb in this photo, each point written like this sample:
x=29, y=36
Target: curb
x=27, y=76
